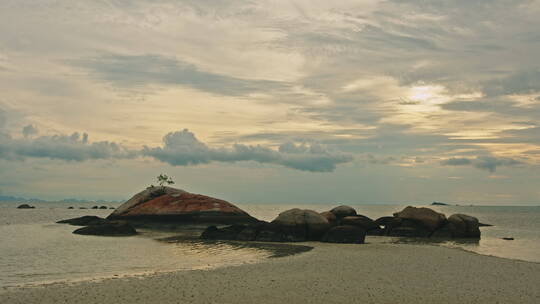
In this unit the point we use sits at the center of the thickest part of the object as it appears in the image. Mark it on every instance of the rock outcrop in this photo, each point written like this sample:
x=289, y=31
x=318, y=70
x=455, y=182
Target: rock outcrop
x=170, y=205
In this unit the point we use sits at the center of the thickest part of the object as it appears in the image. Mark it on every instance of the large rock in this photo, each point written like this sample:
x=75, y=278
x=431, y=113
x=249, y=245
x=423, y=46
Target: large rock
x=301, y=224
x=345, y=234
x=111, y=228
x=175, y=206
x=343, y=211
x=428, y=217
x=464, y=226
x=84, y=221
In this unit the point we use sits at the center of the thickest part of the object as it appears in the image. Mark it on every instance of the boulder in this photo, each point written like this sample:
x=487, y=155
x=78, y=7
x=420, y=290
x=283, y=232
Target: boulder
x=345, y=234
x=464, y=226
x=360, y=221
x=175, y=206
x=269, y=232
x=70, y=207
x=110, y=228
x=301, y=224
x=330, y=217
x=343, y=211
x=95, y=207
x=385, y=221
x=407, y=228
x=84, y=221
x=429, y=218
x=25, y=206
x=226, y=233
x=103, y=207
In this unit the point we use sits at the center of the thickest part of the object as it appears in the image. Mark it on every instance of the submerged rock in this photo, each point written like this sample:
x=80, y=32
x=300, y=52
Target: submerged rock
x=84, y=221
x=345, y=234
x=25, y=206
x=170, y=205
x=110, y=228
x=428, y=217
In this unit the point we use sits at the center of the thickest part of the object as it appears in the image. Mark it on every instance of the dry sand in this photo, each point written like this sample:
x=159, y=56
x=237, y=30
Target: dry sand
x=370, y=273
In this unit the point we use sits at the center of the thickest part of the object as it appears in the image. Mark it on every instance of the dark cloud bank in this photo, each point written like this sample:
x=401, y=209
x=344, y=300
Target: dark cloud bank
x=488, y=163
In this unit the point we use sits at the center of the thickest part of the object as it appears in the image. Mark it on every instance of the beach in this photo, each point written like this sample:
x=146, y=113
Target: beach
x=330, y=273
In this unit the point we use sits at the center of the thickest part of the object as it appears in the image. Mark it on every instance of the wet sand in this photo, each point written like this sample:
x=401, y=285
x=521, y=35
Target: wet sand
x=370, y=273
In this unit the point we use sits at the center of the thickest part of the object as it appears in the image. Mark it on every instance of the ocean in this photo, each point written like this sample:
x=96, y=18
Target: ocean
x=34, y=250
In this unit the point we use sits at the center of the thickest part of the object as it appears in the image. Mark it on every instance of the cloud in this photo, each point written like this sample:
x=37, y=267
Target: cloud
x=182, y=148
x=29, y=131
x=488, y=163
x=143, y=70
x=74, y=147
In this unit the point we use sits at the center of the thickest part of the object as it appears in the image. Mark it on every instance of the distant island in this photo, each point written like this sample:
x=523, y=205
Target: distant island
x=439, y=204
x=7, y=198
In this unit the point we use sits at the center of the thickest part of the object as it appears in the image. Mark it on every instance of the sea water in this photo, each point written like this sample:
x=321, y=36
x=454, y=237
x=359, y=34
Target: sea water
x=35, y=250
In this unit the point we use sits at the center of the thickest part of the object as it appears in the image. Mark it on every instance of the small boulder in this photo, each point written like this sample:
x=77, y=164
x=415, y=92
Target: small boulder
x=25, y=206
x=103, y=207
x=345, y=234
x=343, y=211
x=225, y=233
x=70, y=207
x=464, y=226
x=508, y=238
x=84, y=221
x=301, y=224
x=111, y=228
x=95, y=207
x=428, y=217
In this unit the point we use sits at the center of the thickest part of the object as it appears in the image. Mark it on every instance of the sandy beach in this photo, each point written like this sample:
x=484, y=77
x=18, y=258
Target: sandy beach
x=370, y=273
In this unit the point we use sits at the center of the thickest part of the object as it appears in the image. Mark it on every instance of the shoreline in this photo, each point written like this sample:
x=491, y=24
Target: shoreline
x=330, y=273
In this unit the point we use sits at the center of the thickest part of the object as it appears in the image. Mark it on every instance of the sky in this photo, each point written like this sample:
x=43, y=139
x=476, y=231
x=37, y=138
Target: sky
x=362, y=101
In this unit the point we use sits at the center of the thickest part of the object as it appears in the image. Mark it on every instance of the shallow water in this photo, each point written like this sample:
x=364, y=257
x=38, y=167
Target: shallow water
x=35, y=250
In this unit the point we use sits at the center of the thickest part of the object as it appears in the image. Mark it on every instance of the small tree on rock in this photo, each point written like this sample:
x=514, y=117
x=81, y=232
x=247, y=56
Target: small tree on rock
x=163, y=180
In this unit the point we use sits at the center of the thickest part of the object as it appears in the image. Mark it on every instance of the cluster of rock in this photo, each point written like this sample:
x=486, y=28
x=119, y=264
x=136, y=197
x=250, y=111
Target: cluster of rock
x=343, y=225
x=95, y=225
x=298, y=225
x=155, y=206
